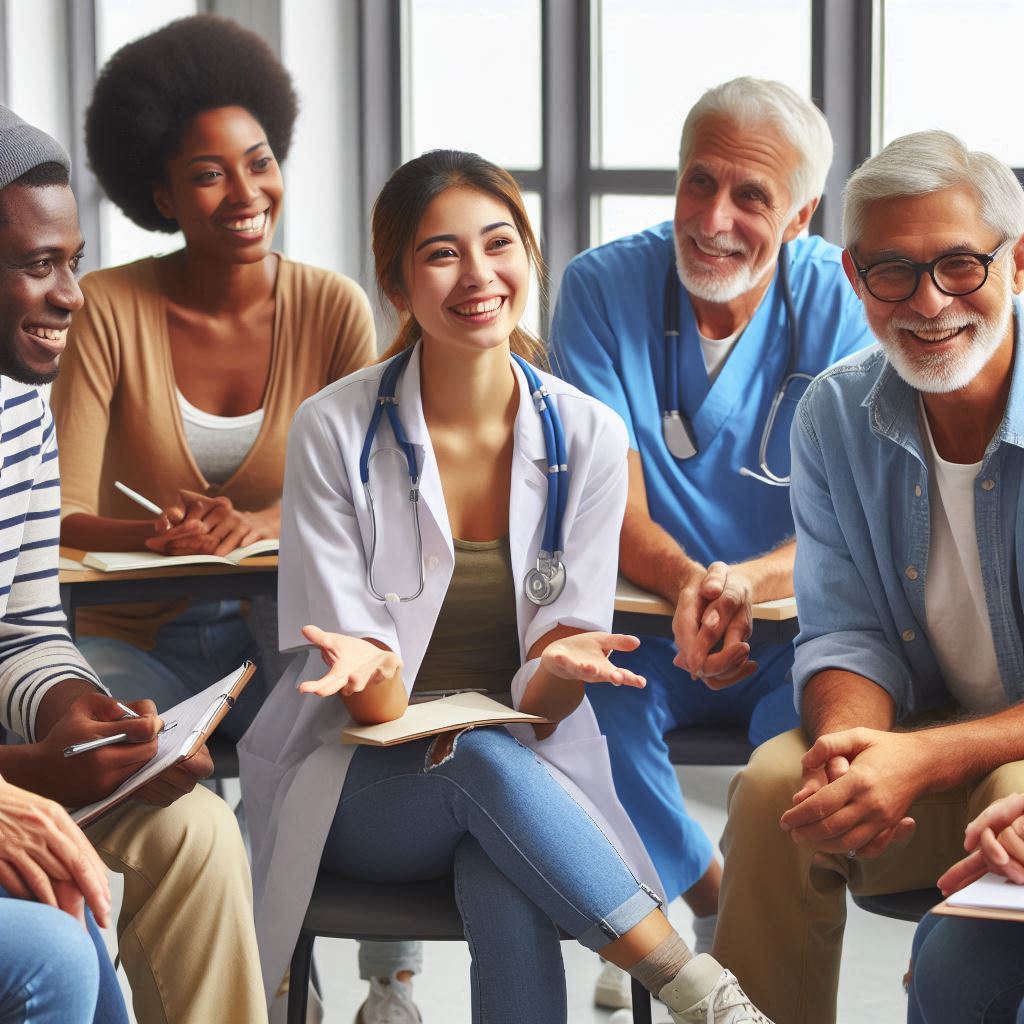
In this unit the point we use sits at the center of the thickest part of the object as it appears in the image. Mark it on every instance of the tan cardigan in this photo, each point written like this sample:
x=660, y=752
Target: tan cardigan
x=117, y=413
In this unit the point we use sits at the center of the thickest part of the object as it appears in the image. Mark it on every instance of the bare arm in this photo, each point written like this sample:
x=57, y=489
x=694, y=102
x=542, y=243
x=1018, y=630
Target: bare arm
x=101, y=533
x=836, y=700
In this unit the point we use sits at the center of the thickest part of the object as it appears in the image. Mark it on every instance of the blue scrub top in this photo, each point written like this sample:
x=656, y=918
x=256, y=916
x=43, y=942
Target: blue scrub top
x=607, y=338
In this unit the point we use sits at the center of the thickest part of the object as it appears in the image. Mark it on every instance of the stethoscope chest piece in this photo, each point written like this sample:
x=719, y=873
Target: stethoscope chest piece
x=544, y=583
x=678, y=435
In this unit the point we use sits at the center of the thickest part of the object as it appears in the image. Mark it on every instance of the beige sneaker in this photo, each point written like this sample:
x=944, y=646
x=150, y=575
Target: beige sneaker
x=613, y=990
x=722, y=1002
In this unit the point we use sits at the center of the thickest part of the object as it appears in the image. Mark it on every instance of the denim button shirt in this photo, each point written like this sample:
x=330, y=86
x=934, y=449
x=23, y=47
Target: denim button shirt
x=860, y=495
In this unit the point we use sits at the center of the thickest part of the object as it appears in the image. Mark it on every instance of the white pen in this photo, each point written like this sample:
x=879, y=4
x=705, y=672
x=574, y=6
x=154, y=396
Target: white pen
x=148, y=505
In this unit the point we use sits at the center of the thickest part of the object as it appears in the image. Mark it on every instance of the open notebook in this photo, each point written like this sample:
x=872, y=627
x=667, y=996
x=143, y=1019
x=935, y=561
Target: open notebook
x=123, y=561
x=459, y=711
x=187, y=726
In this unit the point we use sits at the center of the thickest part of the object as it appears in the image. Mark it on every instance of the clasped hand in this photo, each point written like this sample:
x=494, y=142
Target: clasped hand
x=994, y=841
x=203, y=525
x=714, y=605
x=857, y=788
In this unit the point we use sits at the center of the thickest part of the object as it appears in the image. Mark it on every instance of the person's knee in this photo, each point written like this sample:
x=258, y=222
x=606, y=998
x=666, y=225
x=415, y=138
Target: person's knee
x=765, y=787
x=197, y=830
x=1006, y=780
x=67, y=966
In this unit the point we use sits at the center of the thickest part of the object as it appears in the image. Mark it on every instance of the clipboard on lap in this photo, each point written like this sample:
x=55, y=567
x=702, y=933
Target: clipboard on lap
x=187, y=726
x=991, y=897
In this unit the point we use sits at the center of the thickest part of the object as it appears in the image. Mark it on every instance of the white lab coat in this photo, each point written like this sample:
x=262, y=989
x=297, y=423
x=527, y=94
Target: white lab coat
x=292, y=763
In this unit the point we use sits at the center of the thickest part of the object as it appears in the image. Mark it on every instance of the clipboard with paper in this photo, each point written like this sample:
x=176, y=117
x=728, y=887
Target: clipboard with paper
x=187, y=726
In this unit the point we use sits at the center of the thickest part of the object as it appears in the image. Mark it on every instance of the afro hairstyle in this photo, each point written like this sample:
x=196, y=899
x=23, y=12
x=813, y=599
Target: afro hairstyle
x=151, y=89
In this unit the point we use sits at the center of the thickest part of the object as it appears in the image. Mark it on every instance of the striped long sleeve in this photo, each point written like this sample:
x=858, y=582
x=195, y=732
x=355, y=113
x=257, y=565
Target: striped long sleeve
x=36, y=651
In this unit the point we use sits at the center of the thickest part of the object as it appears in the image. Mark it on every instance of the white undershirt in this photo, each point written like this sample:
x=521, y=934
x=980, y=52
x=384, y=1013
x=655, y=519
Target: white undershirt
x=716, y=351
x=219, y=444
x=954, y=594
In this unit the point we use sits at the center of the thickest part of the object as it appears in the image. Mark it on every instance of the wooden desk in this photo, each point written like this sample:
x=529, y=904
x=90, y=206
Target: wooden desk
x=81, y=587
x=637, y=611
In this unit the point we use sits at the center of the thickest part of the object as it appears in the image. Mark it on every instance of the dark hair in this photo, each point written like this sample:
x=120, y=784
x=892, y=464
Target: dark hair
x=151, y=89
x=40, y=176
x=400, y=207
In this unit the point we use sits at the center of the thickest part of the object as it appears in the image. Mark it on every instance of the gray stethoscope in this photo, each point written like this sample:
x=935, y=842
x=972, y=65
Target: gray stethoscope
x=675, y=424
x=545, y=581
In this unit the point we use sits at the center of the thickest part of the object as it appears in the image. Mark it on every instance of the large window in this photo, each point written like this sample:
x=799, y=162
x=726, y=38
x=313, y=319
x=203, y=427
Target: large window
x=951, y=65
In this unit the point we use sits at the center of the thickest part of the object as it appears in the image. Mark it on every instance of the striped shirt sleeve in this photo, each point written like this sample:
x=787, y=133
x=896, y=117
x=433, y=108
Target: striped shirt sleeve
x=36, y=652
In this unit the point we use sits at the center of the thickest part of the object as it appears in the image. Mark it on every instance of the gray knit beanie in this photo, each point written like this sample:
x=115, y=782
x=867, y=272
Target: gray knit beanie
x=23, y=147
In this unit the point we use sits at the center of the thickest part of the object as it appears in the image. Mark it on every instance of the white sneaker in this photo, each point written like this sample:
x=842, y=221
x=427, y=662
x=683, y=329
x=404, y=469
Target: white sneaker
x=614, y=988
x=389, y=1002
x=723, y=1002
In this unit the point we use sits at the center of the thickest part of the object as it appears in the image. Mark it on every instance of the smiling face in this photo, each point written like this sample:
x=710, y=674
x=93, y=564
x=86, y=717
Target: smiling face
x=733, y=209
x=467, y=276
x=937, y=343
x=40, y=248
x=224, y=187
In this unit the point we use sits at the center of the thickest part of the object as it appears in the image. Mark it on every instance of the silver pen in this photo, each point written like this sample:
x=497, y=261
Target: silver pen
x=107, y=741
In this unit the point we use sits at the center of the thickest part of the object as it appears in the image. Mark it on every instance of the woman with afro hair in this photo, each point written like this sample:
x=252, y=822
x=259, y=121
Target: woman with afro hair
x=182, y=373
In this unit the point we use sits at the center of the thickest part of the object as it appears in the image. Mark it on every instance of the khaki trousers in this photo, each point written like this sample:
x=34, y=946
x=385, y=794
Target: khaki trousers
x=185, y=931
x=782, y=908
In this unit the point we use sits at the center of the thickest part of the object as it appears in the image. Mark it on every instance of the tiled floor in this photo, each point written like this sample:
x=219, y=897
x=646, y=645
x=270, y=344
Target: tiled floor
x=874, y=960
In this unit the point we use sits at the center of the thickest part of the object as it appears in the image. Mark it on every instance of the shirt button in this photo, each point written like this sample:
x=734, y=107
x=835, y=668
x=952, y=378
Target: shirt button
x=911, y=572
x=908, y=635
x=917, y=490
x=987, y=485
x=433, y=562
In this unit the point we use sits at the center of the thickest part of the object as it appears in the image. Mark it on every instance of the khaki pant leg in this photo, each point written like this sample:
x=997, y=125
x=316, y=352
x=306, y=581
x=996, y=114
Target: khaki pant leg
x=782, y=909
x=185, y=932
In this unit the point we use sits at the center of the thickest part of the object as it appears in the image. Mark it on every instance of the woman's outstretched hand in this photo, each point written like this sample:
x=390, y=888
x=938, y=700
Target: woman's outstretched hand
x=353, y=665
x=584, y=656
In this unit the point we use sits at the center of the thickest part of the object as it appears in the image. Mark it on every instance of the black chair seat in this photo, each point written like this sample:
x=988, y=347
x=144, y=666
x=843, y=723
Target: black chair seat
x=341, y=908
x=709, y=744
x=911, y=905
x=225, y=757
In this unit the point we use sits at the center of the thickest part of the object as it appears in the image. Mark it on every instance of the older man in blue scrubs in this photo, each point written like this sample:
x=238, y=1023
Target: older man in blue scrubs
x=692, y=330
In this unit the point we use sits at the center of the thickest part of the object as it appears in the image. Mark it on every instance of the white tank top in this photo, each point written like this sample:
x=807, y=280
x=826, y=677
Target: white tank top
x=218, y=443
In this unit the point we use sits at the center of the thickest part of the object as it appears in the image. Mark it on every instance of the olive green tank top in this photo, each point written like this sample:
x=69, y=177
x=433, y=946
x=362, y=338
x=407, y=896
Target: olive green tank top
x=475, y=644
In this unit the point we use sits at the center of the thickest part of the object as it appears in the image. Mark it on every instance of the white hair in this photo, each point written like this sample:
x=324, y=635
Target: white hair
x=925, y=162
x=758, y=102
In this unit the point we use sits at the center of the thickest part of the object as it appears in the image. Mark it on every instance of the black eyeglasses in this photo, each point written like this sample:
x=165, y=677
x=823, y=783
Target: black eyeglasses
x=956, y=273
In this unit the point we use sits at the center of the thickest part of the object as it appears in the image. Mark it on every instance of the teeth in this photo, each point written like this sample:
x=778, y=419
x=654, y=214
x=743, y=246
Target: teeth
x=47, y=333
x=250, y=224
x=472, y=308
x=714, y=251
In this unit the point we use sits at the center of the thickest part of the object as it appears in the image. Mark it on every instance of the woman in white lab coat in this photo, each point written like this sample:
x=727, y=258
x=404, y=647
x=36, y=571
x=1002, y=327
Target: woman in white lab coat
x=527, y=822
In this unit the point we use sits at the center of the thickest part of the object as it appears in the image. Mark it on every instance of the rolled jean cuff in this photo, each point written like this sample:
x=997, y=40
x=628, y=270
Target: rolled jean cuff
x=625, y=916
x=386, y=959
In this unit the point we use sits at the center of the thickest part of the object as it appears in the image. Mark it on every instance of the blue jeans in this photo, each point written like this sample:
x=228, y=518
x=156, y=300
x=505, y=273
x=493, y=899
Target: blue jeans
x=966, y=971
x=51, y=972
x=203, y=644
x=634, y=722
x=527, y=860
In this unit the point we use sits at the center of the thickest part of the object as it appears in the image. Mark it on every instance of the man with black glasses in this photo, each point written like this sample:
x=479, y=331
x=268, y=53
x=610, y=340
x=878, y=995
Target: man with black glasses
x=908, y=492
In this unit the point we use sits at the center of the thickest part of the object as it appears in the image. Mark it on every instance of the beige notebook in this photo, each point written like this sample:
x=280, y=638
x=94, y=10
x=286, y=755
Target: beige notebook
x=125, y=561
x=459, y=711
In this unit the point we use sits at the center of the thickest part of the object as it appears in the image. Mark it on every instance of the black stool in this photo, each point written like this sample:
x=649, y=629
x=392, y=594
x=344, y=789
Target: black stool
x=344, y=909
x=911, y=905
x=709, y=744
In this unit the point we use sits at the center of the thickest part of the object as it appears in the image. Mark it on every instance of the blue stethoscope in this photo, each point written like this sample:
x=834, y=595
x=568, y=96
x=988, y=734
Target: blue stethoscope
x=546, y=580
x=676, y=426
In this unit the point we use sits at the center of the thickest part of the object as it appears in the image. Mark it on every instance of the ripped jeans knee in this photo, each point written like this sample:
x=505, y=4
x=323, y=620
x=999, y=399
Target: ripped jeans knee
x=442, y=749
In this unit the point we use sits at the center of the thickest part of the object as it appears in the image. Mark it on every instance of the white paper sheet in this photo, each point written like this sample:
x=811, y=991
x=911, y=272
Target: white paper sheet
x=991, y=891
x=190, y=719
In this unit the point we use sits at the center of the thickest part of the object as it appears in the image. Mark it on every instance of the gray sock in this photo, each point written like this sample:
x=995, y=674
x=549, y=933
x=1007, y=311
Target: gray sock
x=662, y=964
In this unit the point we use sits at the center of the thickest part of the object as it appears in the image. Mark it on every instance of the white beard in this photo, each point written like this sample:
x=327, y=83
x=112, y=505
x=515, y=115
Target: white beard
x=942, y=372
x=717, y=286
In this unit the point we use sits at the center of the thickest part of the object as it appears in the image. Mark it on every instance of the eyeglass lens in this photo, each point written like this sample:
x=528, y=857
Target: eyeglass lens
x=957, y=274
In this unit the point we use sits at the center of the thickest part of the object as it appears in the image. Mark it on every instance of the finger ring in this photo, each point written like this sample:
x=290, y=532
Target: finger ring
x=851, y=854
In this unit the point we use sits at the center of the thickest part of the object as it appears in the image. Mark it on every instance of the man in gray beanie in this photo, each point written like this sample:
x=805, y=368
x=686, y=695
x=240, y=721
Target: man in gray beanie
x=187, y=893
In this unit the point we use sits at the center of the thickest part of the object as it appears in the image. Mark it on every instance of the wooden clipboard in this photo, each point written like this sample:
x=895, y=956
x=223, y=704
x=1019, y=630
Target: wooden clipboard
x=197, y=717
